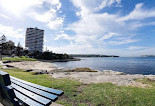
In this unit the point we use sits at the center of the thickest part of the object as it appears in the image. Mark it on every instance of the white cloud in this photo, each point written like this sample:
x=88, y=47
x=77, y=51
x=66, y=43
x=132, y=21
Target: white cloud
x=11, y=32
x=94, y=31
x=120, y=42
x=137, y=48
x=50, y=17
x=63, y=36
x=139, y=13
x=45, y=17
x=106, y=3
x=18, y=7
x=44, y=11
x=95, y=27
x=5, y=16
x=72, y=48
x=108, y=36
x=56, y=24
x=103, y=28
x=86, y=6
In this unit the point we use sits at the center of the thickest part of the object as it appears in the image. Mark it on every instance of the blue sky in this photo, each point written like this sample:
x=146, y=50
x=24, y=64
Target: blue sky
x=112, y=27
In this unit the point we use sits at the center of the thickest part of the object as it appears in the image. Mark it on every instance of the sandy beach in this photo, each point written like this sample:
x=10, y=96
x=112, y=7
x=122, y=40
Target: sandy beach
x=34, y=66
x=118, y=78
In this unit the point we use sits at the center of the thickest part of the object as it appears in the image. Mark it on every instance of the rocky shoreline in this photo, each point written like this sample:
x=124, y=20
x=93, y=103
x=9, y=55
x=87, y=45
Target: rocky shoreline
x=107, y=76
x=86, y=76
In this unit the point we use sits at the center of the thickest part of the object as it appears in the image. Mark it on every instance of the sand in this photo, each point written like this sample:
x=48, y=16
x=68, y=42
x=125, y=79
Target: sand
x=34, y=65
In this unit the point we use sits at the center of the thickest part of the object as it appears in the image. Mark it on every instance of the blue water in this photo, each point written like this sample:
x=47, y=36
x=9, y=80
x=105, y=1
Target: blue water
x=129, y=65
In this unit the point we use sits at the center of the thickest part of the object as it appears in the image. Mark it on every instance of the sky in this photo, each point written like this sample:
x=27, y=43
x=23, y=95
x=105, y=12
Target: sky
x=108, y=27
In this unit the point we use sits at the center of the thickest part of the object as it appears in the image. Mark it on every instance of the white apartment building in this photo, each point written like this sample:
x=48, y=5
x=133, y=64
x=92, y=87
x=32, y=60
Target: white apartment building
x=34, y=39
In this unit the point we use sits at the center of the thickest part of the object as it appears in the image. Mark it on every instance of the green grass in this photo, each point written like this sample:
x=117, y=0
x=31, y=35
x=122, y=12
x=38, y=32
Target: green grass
x=23, y=58
x=45, y=80
x=105, y=94
x=82, y=70
x=109, y=94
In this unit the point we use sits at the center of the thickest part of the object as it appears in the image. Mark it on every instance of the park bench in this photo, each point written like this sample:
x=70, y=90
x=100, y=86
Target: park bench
x=17, y=92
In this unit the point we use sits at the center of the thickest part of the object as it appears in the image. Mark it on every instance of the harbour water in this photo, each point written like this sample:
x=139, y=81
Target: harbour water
x=129, y=65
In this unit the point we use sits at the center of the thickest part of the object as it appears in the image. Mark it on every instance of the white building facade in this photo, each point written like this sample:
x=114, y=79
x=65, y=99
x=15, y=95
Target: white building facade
x=34, y=39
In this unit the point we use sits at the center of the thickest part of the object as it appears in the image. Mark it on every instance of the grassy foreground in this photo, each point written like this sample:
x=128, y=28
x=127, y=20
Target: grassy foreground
x=105, y=94
x=23, y=58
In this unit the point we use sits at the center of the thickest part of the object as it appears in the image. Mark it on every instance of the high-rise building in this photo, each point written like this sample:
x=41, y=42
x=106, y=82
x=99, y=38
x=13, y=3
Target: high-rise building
x=34, y=39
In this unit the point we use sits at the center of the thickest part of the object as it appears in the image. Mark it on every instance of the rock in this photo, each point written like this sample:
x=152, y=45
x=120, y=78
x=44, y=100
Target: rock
x=37, y=72
x=8, y=61
x=150, y=77
x=28, y=70
x=44, y=72
x=110, y=72
x=67, y=73
x=9, y=66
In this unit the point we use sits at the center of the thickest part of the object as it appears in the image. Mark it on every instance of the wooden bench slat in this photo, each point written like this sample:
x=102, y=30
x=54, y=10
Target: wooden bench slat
x=54, y=91
x=26, y=99
x=4, y=78
x=31, y=95
x=34, y=90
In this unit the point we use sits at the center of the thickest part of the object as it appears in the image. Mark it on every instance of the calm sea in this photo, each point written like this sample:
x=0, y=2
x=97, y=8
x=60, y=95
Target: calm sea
x=130, y=65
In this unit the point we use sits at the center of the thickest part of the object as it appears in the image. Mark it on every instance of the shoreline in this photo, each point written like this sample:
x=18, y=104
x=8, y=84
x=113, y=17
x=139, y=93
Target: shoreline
x=107, y=76
x=78, y=90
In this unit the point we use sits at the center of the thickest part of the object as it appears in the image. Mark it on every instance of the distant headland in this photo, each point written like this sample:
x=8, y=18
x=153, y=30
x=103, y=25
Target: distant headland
x=91, y=55
x=148, y=56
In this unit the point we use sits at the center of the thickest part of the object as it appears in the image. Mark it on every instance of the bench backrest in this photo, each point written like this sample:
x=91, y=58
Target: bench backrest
x=8, y=96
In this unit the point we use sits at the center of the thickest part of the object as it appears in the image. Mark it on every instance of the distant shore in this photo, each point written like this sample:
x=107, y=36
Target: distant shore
x=87, y=77
x=91, y=55
x=62, y=60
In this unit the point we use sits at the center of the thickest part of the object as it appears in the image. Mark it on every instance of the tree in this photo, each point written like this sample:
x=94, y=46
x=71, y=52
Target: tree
x=18, y=45
x=9, y=45
x=2, y=40
x=19, y=49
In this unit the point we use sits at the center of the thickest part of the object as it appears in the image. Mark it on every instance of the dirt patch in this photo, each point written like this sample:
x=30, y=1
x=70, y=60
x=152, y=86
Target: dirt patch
x=139, y=84
x=80, y=88
x=151, y=80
